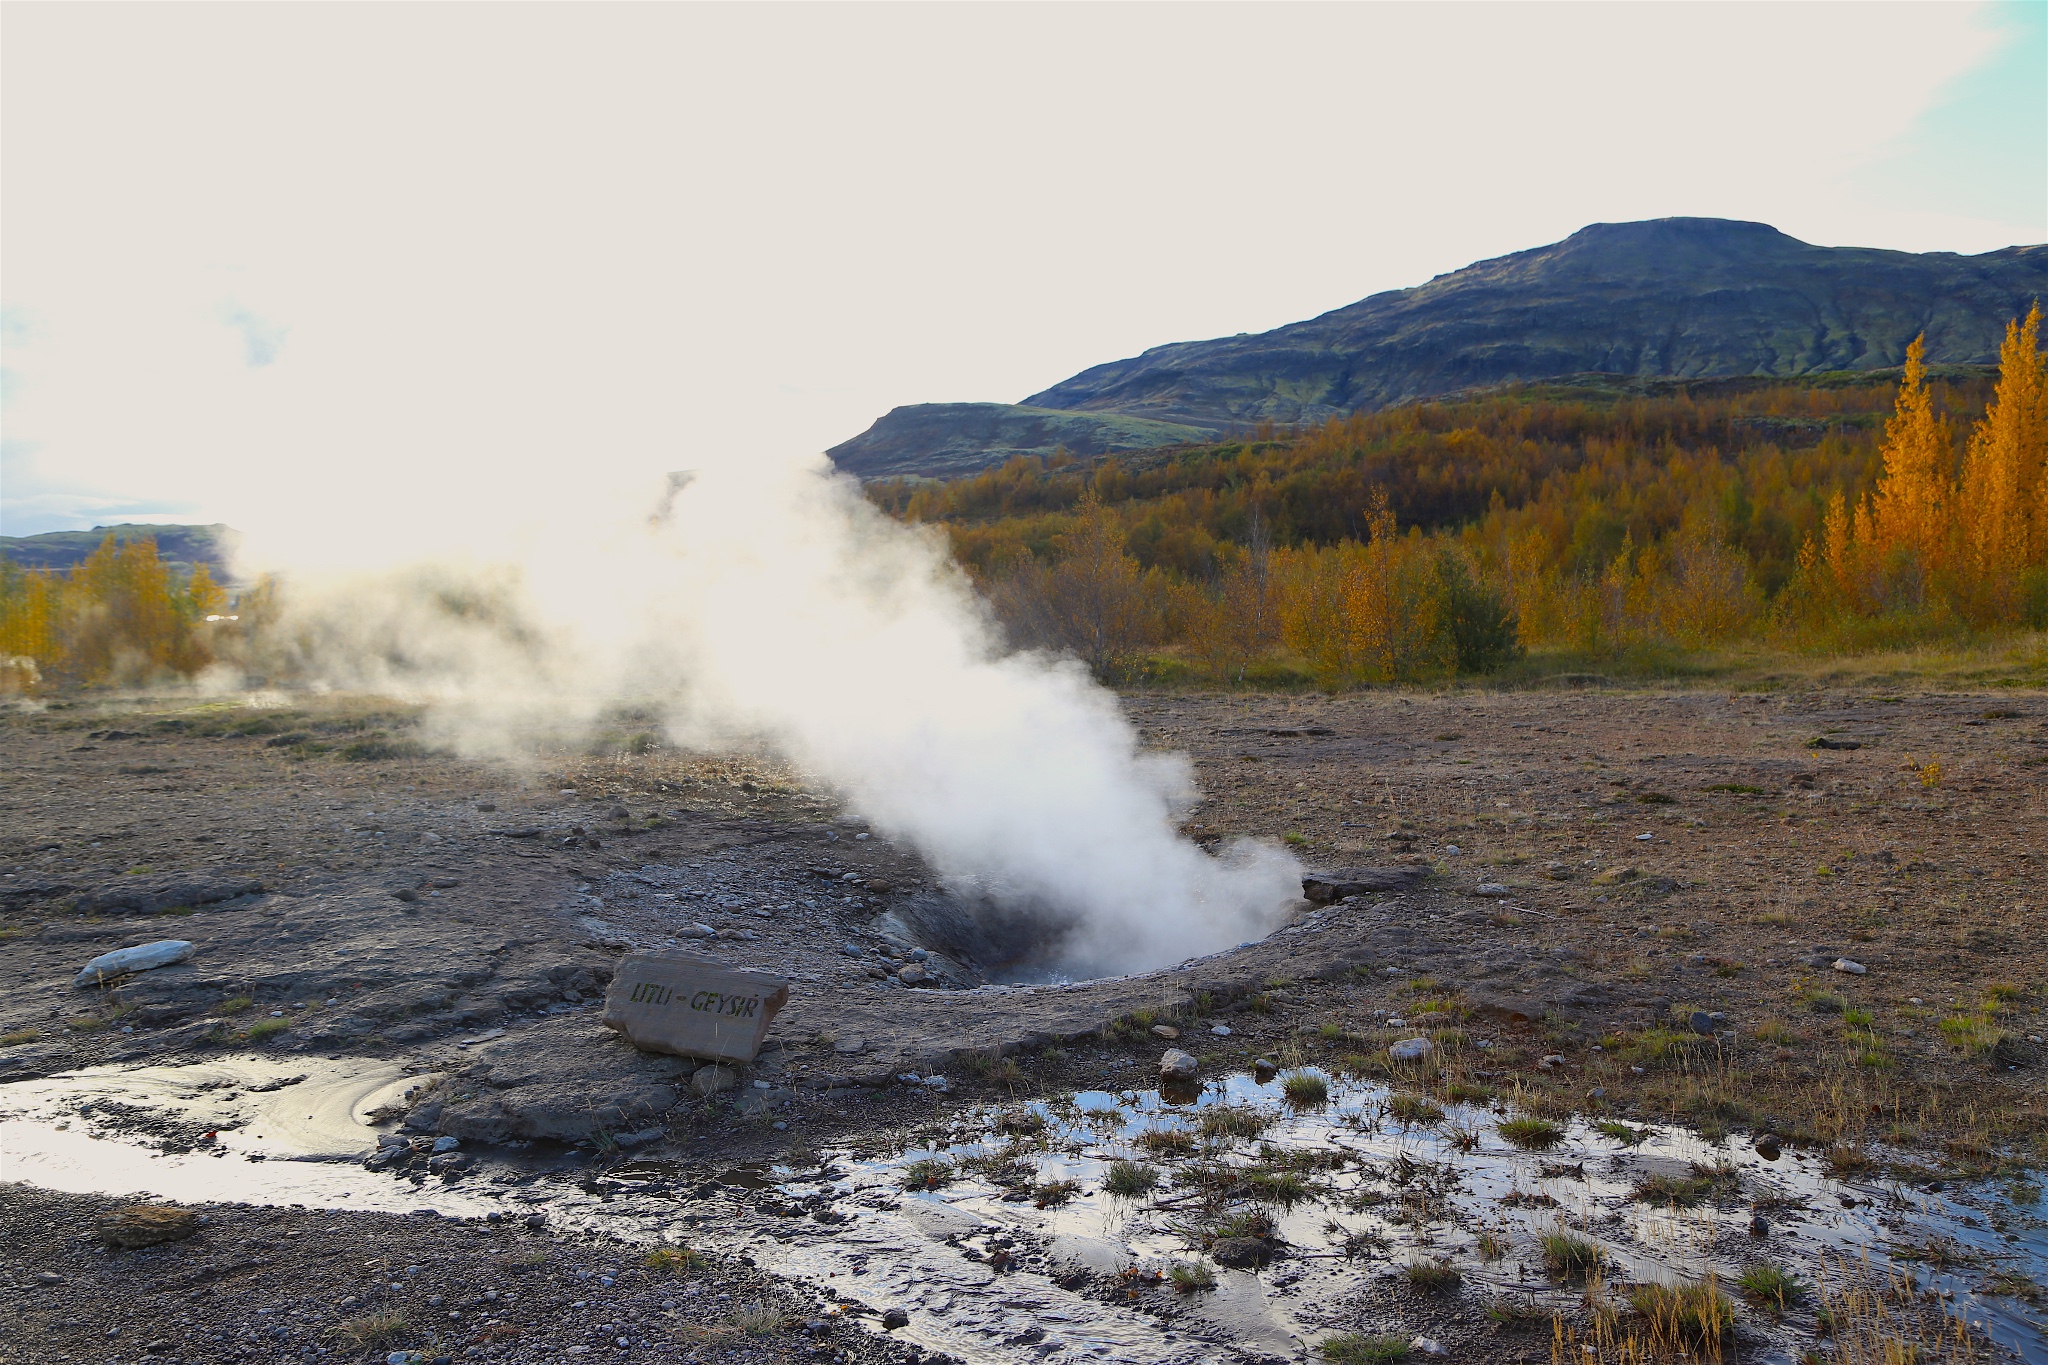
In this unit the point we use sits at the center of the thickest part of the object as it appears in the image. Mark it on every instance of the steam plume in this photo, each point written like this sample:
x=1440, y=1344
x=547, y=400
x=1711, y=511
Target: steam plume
x=772, y=604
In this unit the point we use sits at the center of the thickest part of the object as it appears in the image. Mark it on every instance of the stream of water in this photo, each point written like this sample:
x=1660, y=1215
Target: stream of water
x=983, y=1250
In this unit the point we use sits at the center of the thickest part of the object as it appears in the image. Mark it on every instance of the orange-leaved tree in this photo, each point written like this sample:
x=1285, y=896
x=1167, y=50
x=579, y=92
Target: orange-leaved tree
x=2004, y=492
x=1916, y=490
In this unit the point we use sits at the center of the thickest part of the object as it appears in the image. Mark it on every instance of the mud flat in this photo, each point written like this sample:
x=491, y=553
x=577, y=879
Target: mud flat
x=424, y=943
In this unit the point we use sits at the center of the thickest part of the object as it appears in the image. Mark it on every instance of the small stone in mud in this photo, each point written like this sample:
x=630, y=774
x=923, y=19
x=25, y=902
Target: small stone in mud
x=1166, y=1031
x=144, y=1225
x=710, y=1080
x=895, y=1318
x=1767, y=1146
x=1265, y=1069
x=1175, y=1065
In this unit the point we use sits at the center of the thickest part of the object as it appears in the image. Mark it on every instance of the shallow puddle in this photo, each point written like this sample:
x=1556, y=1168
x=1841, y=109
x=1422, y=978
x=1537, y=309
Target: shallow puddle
x=984, y=1252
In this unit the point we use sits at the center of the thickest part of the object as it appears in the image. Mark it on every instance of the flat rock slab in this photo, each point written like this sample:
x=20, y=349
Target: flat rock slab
x=145, y=1225
x=1358, y=881
x=688, y=1006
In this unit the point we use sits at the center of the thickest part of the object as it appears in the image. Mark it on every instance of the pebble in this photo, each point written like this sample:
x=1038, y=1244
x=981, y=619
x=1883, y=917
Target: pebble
x=1453, y=850
x=895, y=1318
x=1551, y=1062
x=853, y=950
x=1490, y=889
x=1220, y=1030
x=1843, y=964
x=1428, y=1346
x=1175, y=1065
x=1701, y=1022
x=1644, y=838
x=1411, y=1049
x=710, y=1080
x=447, y=1144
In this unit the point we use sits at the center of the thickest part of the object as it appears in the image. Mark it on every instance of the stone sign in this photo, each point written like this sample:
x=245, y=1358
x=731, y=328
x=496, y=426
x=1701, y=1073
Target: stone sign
x=675, y=1002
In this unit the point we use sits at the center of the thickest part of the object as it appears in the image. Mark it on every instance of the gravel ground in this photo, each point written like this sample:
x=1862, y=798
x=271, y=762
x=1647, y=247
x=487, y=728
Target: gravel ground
x=288, y=1284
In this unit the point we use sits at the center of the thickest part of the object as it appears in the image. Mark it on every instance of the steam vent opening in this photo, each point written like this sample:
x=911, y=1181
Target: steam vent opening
x=988, y=939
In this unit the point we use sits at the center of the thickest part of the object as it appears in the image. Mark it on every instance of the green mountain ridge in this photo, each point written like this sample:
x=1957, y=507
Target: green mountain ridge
x=1672, y=298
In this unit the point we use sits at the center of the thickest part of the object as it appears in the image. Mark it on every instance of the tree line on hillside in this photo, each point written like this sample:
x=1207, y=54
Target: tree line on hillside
x=1842, y=513
x=1432, y=541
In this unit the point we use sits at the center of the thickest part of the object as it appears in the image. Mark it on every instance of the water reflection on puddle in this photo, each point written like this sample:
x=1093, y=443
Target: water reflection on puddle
x=984, y=1254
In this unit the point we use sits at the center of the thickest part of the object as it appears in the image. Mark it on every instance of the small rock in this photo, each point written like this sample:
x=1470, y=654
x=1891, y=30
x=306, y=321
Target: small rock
x=938, y=1083
x=1556, y=870
x=1551, y=1062
x=1597, y=1093
x=710, y=1080
x=1767, y=1147
x=895, y=1318
x=1175, y=1065
x=853, y=950
x=1166, y=1031
x=1265, y=1069
x=1411, y=1049
x=144, y=1225
x=1701, y=1022
x=48, y=1277
x=1758, y=1225
x=878, y=886
x=1220, y=1030
x=1397, y=1022
x=1428, y=1346
x=141, y=958
x=641, y=1138
x=1494, y=889
x=1453, y=850
x=1843, y=964
x=447, y=1144
x=847, y=1047
x=913, y=975
x=1644, y=838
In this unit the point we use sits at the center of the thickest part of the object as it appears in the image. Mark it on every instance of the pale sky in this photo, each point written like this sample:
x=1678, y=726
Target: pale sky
x=319, y=266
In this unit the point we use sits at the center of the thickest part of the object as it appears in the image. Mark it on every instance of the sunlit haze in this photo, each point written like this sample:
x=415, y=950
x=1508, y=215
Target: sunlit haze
x=348, y=277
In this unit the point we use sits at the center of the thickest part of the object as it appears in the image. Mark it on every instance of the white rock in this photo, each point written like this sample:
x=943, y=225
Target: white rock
x=1453, y=849
x=1843, y=964
x=1644, y=838
x=1411, y=1049
x=1175, y=1065
x=1428, y=1346
x=1489, y=889
x=1220, y=1030
x=140, y=958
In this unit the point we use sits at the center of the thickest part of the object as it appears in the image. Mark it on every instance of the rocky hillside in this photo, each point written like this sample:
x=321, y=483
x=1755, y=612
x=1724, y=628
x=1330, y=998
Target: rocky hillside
x=1674, y=297
x=181, y=547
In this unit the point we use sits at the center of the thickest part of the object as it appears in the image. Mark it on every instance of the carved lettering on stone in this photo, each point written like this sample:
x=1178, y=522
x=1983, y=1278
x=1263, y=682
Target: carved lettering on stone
x=675, y=1002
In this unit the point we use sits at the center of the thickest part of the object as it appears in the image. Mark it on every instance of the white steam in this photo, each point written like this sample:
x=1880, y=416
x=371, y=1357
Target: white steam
x=776, y=606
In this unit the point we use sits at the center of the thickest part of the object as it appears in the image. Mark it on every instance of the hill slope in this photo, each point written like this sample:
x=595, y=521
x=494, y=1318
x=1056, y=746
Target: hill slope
x=1674, y=297
x=181, y=547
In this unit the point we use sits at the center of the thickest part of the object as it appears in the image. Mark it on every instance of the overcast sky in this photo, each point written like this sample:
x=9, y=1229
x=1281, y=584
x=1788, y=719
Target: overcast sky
x=286, y=261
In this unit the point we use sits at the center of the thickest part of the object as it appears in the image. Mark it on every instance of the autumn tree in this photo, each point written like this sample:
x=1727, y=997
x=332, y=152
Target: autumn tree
x=1916, y=490
x=2004, y=493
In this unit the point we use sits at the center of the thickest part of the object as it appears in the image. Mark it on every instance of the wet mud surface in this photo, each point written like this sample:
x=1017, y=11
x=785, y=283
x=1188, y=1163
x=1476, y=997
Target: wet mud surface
x=425, y=942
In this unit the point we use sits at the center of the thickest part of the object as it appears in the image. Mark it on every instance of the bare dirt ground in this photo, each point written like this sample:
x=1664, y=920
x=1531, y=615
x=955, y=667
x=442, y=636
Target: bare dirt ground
x=353, y=897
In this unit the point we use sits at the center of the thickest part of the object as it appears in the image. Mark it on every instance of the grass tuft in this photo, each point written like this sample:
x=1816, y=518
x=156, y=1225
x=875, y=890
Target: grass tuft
x=1129, y=1179
x=1305, y=1089
x=1354, y=1349
x=1532, y=1134
x=1568, y=1257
